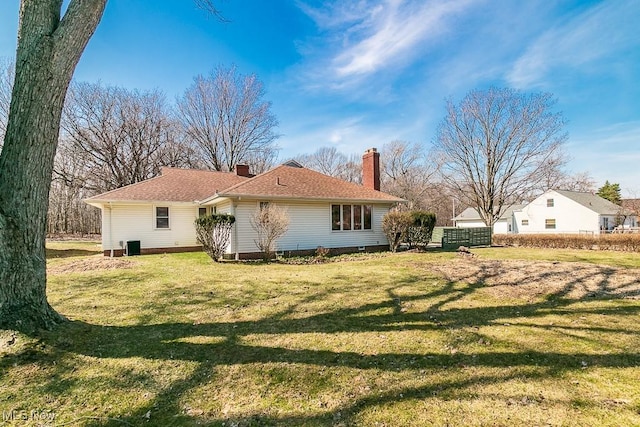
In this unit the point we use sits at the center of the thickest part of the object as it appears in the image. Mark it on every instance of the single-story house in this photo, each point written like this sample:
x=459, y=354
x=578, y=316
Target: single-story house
x=323, y=210
x=470, y=218
x=571, y=212
x=557, y=211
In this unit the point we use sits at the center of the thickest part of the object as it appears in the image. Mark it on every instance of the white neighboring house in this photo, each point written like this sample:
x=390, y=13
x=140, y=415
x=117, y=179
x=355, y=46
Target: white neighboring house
x=323, y=210
x=570, y=212
x=556, y=211
x=470, y=218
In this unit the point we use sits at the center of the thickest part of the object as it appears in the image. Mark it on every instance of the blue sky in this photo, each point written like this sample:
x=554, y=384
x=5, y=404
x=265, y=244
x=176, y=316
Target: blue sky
x=357, y=74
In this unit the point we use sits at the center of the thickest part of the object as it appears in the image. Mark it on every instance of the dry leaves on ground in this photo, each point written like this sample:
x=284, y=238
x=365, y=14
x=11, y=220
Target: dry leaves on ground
x=527, y=279
x=95, y=262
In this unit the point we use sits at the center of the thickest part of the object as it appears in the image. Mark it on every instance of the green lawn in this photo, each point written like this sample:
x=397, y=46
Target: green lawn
x=393, y=340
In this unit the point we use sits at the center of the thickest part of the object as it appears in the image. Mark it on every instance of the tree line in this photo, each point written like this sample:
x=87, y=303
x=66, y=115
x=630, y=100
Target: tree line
x=111, y=137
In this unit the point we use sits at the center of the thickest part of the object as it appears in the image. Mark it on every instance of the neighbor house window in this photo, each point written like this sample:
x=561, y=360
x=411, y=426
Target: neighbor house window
x=550, y=224
x=549, y=203
x=162, y=217
x=525, y=222
x=350, y=217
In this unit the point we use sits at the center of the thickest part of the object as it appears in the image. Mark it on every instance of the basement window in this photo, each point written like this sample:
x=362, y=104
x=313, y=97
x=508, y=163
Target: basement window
x=162, y=217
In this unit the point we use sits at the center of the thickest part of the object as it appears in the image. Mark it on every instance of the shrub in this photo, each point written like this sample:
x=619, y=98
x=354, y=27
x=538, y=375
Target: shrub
x=395, y=226
x=612, y=242
x=322, y=252
x=421, y=228
x=270, y=222
x=213, y=232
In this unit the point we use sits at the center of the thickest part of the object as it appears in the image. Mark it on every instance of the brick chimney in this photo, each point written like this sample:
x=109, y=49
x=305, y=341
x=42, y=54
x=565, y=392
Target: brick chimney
x=371, y=169
x=243, y=170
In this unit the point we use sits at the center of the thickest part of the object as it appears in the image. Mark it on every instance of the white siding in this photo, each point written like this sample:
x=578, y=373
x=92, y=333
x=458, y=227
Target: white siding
x=571, y=217
x=137, y=222
x=500, y=227
x=309, y=227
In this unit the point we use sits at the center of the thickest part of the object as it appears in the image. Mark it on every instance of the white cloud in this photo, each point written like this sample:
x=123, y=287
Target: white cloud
x=363, y=38
x=597, y=33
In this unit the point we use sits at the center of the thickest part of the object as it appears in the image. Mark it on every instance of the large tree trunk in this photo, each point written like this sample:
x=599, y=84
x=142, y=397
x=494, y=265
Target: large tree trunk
x=48, y=50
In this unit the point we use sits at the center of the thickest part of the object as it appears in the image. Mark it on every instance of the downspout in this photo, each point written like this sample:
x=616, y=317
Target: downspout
x=110, y=230
x=235, y=230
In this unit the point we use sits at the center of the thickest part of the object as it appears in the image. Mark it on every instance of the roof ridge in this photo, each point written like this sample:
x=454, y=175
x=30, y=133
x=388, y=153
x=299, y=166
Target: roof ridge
x=263, y=174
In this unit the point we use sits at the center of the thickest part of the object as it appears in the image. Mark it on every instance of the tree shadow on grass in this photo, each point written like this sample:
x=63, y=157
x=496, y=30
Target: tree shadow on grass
x=226, y=347
x=68, y=253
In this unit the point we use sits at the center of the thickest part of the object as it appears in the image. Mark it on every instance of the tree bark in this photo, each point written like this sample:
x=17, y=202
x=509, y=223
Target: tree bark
x=48, y=51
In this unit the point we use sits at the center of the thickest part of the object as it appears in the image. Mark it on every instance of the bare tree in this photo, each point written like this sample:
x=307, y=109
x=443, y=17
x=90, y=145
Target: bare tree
x=407, y=171
x=269, y=222
x=6, y=82
x=122, y=136
x=227, y=120
x=67, y=212
x=49, y=47
x=495, y=146
x=330, y=161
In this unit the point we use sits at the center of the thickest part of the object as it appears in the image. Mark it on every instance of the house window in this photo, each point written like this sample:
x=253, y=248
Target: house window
x=367, y=216
x=525, y=222
x=202, y=211
x=335, y=217
x=346, y=217
x=549, y=203
x=162, y=217
x=264, y=205
x=357, y=217
x=350, y=217
x=550, y=224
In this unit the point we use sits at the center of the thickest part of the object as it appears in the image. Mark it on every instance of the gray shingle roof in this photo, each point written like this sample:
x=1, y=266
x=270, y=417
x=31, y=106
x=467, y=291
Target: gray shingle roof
x=592, y=201
x=470, y=214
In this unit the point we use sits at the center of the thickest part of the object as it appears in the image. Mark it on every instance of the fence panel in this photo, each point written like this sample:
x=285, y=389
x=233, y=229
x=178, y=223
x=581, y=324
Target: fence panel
x=452, y=238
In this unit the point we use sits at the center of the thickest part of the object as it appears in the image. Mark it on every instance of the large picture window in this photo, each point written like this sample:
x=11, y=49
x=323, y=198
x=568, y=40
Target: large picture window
x=350, y=217
x=162, y=217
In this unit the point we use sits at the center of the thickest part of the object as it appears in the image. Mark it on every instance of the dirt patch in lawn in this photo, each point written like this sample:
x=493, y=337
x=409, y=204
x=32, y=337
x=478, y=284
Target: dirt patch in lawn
x=91, y=263
x=530, y=279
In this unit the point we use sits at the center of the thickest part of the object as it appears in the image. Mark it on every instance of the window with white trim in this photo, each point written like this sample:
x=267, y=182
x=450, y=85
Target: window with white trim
x=350, y=217
x=550, y=203
x=162, y=217
x=550, y=224
x=525, y=222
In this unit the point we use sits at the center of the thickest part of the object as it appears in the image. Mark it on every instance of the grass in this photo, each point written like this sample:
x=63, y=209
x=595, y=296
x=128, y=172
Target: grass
x=175, y=340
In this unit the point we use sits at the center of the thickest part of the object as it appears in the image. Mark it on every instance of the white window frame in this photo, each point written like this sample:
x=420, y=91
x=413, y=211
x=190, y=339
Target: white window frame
x=155, y=218
x=362, y=217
